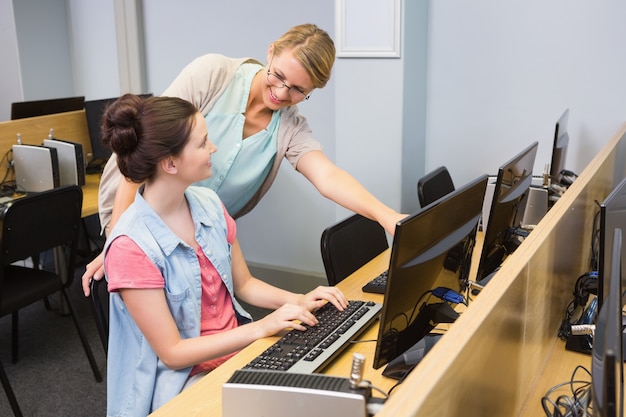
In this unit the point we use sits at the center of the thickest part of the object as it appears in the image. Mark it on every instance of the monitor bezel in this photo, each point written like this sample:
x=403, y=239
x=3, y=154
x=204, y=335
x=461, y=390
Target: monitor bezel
x=607, y=372
x=610, y=207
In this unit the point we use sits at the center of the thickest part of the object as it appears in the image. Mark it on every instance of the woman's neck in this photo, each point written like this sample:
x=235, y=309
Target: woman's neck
x=165, y=197
x=255, y=103
x=169, y=202
x=257, y=114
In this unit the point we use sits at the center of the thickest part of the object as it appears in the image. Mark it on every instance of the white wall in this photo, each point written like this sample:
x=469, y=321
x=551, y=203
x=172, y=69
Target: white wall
x=94, y=49
x=501, y=73
x=56, y=48
x=44, y=52
x=10, y=78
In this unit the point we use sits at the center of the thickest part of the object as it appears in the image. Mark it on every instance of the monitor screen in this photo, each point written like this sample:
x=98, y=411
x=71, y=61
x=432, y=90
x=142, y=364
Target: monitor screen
x=94, y=109
x=431, y=248
x=612, y=216
x=502, y=232
x=559, y=147
x=607, y=377
x=24, y=109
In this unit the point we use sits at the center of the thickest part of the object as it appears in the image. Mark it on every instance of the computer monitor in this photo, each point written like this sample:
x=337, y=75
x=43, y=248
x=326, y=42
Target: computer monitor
x=607, y=372
x=94, y=110
x=502, y=234
x=559, y=148
x=425, y=254
x=612, y=216
x=24, y=109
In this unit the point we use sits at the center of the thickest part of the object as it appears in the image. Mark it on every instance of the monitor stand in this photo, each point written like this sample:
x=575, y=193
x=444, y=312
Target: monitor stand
x=429, y=316
x=579, y=343
x=410, y=352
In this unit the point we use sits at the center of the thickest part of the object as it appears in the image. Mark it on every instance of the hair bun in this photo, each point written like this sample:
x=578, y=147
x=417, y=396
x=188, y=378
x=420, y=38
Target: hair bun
x=122, y=124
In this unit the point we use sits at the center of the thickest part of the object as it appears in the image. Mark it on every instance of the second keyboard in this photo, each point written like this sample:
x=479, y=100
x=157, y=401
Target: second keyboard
x=378, y=284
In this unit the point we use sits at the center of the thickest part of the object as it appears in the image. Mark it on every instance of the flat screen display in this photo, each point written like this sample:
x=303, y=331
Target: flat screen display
x=431, y=248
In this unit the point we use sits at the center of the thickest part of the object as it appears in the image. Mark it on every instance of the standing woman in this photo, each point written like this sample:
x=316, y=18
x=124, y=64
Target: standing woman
x=174, y=265
x=253, y=118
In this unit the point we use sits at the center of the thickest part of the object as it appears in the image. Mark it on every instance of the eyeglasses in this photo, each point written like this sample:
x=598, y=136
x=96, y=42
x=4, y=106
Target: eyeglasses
x=295, y=93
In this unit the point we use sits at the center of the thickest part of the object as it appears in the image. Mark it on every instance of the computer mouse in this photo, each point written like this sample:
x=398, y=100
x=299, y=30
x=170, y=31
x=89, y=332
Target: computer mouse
x=399, y=367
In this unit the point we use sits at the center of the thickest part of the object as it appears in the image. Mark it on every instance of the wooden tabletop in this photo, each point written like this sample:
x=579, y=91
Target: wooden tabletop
x=90, y=194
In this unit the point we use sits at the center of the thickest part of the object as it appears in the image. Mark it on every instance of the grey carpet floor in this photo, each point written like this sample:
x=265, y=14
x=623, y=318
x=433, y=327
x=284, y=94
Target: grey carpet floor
x=53, y=376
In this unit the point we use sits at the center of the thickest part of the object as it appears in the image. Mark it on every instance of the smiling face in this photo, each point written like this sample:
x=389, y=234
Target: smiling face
x=194, y=162
x=285, y=81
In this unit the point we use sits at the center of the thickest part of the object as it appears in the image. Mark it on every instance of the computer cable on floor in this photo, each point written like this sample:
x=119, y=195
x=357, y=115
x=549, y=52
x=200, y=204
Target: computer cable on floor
x=576, y=404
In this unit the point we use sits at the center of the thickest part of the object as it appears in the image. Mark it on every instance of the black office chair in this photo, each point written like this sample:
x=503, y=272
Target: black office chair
x=349, y=244
x=45, y=221
x=100, y=308
x=434, y=185
x=431, y=187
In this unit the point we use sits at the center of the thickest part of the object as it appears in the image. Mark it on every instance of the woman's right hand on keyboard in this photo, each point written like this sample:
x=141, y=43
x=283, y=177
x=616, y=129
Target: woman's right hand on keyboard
x=289, y=316
x=319, y=296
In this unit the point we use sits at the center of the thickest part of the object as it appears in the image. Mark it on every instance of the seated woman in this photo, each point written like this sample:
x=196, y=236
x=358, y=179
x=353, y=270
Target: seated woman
x=174, y=265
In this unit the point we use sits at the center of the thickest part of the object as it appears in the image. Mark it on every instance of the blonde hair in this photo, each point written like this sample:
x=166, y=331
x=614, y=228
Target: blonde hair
x=313, y=48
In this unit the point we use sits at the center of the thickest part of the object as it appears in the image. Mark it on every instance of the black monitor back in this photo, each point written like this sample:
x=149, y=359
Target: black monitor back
x=431, y=248
x=24, y=109
x=559, y=146
x=507, y=210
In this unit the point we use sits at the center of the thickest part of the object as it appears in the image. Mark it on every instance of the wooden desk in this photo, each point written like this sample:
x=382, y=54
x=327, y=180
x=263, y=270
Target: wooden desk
x=90, y=194
x=205, y=397
x=559, y=368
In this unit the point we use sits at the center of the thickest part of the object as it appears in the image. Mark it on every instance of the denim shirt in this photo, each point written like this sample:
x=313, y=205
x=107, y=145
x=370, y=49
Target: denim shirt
x=137, y=380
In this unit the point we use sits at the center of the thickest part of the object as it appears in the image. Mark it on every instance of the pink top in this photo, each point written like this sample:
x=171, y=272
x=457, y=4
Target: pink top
x=133, y=269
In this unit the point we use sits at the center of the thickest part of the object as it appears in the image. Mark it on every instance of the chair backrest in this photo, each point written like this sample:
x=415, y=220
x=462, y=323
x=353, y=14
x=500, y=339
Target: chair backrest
x=434, y=185
x=100, y=307
x=349, y=244
x=42, y=221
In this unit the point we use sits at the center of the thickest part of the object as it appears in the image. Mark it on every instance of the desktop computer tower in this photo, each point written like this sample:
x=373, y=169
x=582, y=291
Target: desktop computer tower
x=71, y=161
x=536, y=203
x=257, y=393
x=36, y=168
x=536, y=206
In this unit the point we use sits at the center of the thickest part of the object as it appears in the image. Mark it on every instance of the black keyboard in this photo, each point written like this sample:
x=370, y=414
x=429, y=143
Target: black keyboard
x=378, y=284
x=310, y=350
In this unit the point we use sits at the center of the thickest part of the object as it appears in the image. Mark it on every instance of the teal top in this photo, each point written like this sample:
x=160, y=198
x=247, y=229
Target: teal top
x=239, y=166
